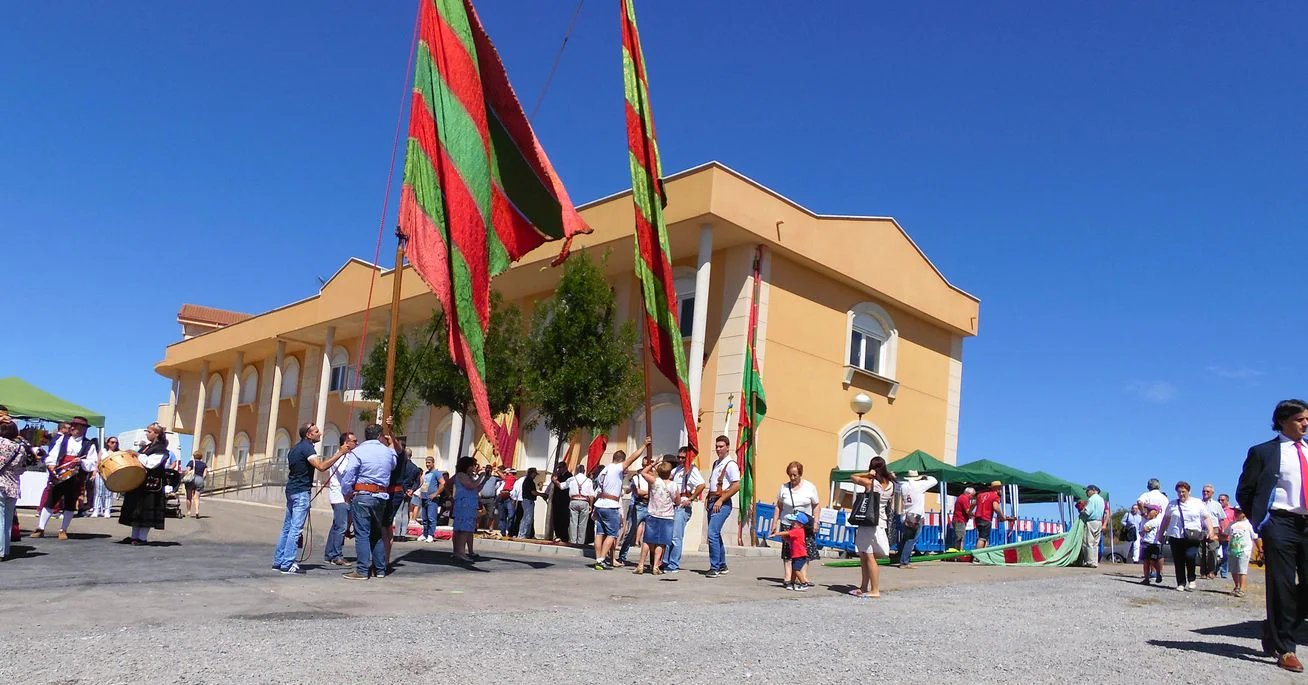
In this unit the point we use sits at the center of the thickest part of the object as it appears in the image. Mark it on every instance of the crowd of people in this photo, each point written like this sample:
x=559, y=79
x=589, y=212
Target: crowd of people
x=1206, y=537
x=74, y=485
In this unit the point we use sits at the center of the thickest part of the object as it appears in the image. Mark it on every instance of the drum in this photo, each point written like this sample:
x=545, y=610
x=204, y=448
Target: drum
x=122, y=472
x=67, y=470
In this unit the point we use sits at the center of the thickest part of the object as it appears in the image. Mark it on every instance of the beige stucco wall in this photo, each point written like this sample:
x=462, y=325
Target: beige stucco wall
x=808, y=402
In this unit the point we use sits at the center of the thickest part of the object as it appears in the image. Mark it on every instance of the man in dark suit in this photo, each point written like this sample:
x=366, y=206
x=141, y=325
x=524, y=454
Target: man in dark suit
x=1273, y=491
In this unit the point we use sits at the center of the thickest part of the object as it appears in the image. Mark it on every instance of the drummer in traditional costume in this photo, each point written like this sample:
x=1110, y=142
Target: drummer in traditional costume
x=143, y=508
x=69, y=458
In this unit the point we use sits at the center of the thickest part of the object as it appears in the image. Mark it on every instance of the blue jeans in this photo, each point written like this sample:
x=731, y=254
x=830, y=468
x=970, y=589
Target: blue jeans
x=1222, y=566
x=430, y=508
x=680, y=517
x=369, y=514
x=401, y=516
x=907, y=541
x=335, y=548
x=297, y=509
x=717, y=551
x=506, y=516
x=528, y=510
x=8, y=508
x=636, y=514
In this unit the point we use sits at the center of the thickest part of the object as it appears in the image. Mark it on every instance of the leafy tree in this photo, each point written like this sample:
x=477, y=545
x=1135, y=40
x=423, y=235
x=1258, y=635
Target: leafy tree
x=408, y=360
x=424, y=370
x=583, y=367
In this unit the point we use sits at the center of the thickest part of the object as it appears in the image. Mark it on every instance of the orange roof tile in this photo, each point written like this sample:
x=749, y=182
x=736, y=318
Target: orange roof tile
x=210, y=315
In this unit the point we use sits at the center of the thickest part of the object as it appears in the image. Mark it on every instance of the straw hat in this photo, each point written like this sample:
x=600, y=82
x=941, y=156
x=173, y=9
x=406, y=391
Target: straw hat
x=912, y=475
x=995, y=483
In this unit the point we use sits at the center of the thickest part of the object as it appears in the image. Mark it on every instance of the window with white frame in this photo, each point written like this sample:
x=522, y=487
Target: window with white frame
x=241, y=454
x=331, y=440
x=249, y=385
x=281, y=446
x=213, y=398
x=343, y=376
x=207, y=448
x=684, y=280
x=872, y=340
x=858, y=445
x=290, y=377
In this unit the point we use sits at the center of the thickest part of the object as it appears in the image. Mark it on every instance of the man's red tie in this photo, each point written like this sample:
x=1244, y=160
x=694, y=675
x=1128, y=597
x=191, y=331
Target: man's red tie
x=1303, y=475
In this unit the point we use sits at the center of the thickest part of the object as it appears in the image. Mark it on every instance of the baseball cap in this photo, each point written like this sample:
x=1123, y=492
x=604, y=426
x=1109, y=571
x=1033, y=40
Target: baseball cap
x=799, y=517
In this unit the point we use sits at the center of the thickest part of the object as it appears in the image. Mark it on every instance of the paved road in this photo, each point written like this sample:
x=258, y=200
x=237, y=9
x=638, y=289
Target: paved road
x=204, y=607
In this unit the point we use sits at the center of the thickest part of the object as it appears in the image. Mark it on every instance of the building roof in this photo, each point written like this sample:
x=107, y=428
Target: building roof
x=209, y=316
x=884, y=262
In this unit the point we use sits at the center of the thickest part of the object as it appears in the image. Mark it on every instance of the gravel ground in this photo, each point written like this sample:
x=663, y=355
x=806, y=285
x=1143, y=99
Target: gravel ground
x=1088, y=628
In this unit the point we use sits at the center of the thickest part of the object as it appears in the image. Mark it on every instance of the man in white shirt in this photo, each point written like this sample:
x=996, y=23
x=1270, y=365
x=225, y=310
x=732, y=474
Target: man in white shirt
x=687, y=488
x=1273, y=493
x=334, y=550
x=68, y=458
x=723, y=483
x=1153, y=497
x=581, y=492
x=608, y=506
x=1208, y=553
x=637, y=511
x=913, y=493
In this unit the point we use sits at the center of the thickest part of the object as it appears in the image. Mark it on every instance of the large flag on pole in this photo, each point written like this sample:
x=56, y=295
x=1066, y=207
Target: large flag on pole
x=653, y=262
x=479, y=192
x=753, y=404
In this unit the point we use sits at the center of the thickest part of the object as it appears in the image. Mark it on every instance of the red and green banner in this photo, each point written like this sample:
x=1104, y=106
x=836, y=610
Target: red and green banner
x=753, y=404
x=479, y=192
x=653, y=258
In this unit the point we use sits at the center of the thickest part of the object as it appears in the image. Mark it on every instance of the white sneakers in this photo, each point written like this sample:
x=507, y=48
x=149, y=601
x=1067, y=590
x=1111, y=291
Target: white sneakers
x=1189, y=587
x=426, y=538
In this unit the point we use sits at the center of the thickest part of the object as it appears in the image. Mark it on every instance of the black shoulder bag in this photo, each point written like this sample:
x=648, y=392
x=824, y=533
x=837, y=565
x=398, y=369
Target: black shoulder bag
x=867, y=509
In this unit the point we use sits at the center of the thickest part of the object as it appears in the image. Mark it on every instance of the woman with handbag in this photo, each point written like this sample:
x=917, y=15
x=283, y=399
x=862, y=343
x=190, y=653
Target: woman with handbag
x=1186, y=523
x=871, y=514
x=193, y=481
x=797, y=495
x=143, y=508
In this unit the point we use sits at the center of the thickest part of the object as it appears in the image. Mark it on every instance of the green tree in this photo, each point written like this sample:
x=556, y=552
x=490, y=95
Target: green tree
x=584, y=370
x=424, y=370
x=408, y=359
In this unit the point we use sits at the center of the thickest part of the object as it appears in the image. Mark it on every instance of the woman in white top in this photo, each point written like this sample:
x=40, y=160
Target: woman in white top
x=1186, y=522
x=796, y=494
x=104, y=499
x=871, y=542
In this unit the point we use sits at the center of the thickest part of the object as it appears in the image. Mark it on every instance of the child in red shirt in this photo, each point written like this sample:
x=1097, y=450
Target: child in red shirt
x=795, y=540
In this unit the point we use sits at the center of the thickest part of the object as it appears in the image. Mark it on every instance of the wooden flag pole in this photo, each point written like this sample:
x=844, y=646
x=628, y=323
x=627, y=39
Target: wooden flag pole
x=649, y=416
x=388, y=394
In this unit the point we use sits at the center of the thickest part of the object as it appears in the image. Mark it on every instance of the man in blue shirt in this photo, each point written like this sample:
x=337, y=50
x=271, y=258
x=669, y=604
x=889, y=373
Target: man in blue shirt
x=1093, y=513
x=365, y=479
x=301, y=462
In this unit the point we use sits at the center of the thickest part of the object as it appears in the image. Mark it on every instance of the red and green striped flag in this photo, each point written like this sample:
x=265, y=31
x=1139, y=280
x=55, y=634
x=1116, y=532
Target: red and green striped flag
x=753, y=405
x=653, y=262
x=479, y=192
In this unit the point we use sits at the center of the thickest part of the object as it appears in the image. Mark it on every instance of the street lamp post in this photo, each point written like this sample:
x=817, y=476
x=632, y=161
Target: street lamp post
x=861, y=404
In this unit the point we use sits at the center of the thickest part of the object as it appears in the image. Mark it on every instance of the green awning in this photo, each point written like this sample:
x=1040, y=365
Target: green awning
x=924, y=464
x=27, y=401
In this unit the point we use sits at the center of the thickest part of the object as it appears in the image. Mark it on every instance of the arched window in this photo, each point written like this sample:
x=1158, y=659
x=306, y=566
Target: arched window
x=872, y=340
x=290, y=377
x=249, y=385
x=343, y=376
x=331, y=440
x=858, y=444
x=241, y=453
x=538, y=447
x=207, y=448
x=281, y=446
x=669, y=425
x=684, y=280
x=213, y=398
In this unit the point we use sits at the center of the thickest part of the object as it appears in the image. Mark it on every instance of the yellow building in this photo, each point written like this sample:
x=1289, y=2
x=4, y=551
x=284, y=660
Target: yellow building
x=847, y=305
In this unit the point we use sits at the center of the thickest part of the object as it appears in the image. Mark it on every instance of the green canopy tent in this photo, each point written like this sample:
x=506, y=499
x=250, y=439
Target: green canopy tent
x=27, y=401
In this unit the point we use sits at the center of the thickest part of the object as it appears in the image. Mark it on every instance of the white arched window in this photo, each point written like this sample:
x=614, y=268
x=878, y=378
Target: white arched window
x=241, y=453
x=684, y=280
x=207, y=448
x=445, y=460
x=538, y=447
x=858, y=444
x=249, y=385
x=281, y=446
x=668, y=422
x=290, y=377
x=213, y=398
x=331, y=440
x=343, y=376
x=872, y=340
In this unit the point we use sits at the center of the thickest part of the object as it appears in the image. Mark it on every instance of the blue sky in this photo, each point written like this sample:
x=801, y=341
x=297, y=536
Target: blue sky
x=1123, y=186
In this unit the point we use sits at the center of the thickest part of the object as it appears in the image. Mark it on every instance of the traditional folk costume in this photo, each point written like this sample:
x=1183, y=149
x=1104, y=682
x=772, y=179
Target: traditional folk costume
x=71, y=458
x=143, y=508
